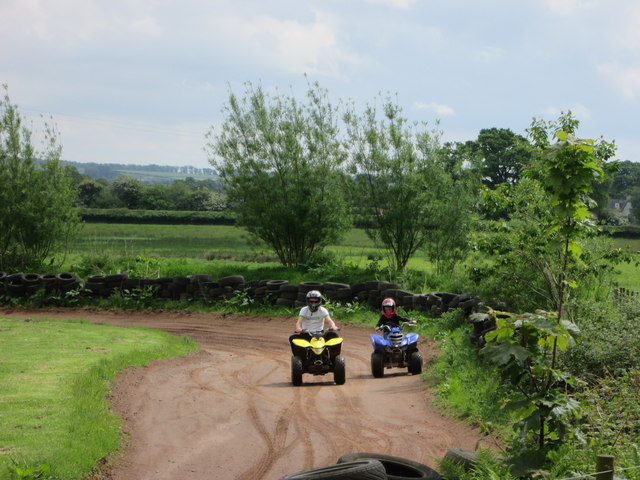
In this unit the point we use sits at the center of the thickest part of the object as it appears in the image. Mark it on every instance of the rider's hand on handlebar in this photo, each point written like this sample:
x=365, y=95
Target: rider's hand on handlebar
x=297, y=331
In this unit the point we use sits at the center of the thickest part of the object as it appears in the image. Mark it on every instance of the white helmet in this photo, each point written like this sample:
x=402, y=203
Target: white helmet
x=314, y=300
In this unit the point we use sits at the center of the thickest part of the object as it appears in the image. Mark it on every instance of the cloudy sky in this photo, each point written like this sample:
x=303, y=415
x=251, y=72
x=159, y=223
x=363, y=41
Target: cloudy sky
x=142, y=81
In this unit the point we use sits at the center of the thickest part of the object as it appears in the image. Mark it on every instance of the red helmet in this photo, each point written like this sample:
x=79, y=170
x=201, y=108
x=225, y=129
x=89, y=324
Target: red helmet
x=389, y=302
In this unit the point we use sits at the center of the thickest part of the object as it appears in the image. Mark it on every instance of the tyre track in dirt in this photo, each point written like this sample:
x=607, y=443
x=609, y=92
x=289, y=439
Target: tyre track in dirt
x=229, y=411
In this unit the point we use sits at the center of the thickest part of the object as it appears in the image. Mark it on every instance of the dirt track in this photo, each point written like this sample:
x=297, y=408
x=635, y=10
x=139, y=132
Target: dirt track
x=230, y=412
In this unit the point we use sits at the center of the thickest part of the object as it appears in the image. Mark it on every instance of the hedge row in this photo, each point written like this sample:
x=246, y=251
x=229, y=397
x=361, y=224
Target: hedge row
x=622, y=231
x=273, y=292
x=162, y=217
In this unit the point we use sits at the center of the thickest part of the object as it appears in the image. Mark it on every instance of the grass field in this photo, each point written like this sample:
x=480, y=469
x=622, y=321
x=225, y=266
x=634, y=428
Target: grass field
x=192, y=241
x=628, y=275
x=53, y=381
x=196, y=248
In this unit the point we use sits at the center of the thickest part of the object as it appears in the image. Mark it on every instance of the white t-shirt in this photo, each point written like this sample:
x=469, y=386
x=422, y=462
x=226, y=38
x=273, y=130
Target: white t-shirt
x=313, y=321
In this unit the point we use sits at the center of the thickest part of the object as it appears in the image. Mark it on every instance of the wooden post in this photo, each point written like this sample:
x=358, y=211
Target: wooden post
x=604, y=463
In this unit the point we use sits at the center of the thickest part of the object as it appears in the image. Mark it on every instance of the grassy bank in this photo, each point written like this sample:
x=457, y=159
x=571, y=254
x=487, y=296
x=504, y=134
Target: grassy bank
x=53, y=382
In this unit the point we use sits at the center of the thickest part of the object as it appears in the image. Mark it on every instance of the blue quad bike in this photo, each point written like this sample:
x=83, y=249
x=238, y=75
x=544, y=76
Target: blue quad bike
x=395, y=349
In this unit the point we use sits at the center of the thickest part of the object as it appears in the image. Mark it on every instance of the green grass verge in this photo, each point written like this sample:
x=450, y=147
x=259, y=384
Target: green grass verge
x=54, y=378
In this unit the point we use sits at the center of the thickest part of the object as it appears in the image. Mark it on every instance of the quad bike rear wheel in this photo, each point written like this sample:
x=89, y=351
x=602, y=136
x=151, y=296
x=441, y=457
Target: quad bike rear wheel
x=377, y=364
x=339, y=374
x=296, y=371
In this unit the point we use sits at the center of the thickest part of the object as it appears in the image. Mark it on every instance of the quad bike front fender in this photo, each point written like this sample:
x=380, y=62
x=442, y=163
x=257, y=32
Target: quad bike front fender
x=301, y=342
x=378, y=342
x=411, y=338
x=333, y=341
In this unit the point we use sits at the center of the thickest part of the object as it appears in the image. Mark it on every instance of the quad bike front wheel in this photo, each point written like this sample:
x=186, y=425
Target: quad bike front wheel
x=415, y=363
x=296, y=371
x=339, y=373
x=377, y=364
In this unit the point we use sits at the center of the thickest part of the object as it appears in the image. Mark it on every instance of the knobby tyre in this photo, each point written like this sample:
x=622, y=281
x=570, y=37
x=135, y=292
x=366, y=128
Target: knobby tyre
x=339, y=371
x=415, y=363
x=363, y=469
x=396, y=468
x=466, y=458
x=377, y=364
x=296, y=371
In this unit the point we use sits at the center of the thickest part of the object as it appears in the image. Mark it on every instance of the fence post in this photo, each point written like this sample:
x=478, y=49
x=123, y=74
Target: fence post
x=604, y=464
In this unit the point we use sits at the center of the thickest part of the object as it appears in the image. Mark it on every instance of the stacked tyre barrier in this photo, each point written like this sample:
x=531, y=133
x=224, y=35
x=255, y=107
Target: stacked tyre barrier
x=270, y=292
x=26, y=284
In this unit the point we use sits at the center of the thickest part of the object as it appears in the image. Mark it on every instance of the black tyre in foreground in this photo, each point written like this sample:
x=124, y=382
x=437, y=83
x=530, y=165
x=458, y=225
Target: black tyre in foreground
x=377, y=364
x=339, y=373
x=365, y=469
x=396, y=468
x=296, y=371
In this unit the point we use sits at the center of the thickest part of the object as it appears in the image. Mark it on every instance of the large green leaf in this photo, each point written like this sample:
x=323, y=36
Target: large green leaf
x=503, y=353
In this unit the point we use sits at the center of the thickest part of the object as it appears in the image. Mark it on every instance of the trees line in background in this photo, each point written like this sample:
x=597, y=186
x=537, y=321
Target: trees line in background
x=298, y=174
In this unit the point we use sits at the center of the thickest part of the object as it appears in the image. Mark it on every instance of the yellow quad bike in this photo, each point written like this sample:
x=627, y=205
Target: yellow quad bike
x=318, y=357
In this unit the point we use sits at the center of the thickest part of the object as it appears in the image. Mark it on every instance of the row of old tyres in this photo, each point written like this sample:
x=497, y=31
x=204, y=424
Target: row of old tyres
x=273, y=292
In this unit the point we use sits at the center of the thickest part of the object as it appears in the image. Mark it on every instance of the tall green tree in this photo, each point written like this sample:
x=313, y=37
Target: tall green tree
x=601, y=188
x=567, y=170
x=455, y=220
x=37, y=216
x=89, y=191
x=128, y=190
x=398, y=183
x=280, y=160
x=504, y=154
x=527, y=347
x=625, y=179
x=634, y=196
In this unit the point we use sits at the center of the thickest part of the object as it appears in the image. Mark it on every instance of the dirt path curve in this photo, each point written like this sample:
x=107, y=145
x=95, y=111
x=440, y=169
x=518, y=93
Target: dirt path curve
x=229, y=411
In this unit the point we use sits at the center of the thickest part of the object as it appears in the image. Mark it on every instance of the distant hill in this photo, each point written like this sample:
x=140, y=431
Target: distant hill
x=145, y=173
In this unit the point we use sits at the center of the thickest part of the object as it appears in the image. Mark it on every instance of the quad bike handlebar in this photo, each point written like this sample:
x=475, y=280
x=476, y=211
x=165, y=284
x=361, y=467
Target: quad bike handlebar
x=403, y=324
x=317, y=332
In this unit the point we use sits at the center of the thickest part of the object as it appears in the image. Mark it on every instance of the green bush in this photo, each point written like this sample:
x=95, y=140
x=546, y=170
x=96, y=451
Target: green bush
x=622, y=231
x=609, y=337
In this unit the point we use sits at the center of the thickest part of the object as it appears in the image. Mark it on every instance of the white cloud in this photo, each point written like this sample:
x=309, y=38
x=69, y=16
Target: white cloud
x=570, y=7
x=399, y=4
x=625, y=77
x=579, y=111
x=293, y=46
x=161, y=143
x=630, y=33
x=434, y=107
x=488, y=54
x=146, y=25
